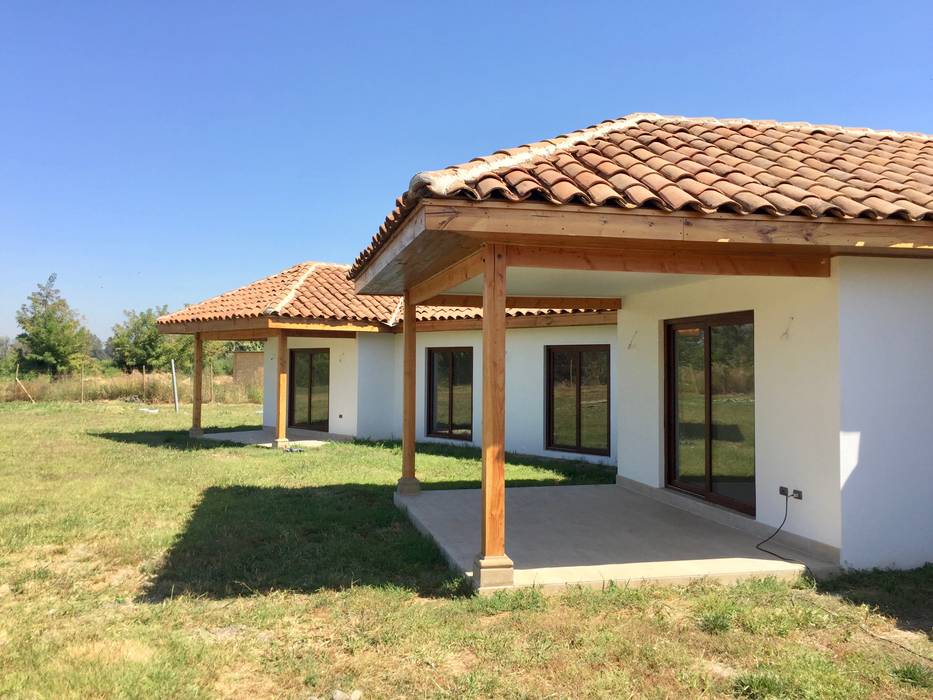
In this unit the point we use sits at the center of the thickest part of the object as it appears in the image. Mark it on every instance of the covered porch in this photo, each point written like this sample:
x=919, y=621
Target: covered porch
x=596, y=535
x=284, y=431
x=495, y=254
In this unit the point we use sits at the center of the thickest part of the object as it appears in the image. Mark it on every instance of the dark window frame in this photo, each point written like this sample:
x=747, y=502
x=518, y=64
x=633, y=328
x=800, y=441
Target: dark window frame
x=549, y=443
x=429, y=403
x=670, y=409
x=292, y=354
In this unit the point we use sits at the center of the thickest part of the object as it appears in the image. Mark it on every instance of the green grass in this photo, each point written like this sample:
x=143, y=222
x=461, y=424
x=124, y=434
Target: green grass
x=135, y=562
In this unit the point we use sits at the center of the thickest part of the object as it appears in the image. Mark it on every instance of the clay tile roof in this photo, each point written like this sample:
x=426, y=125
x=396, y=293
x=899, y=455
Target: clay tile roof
x=736, y=166
x=319, y=291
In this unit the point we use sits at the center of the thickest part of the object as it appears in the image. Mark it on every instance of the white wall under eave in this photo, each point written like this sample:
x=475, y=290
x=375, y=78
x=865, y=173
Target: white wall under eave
x=342, y=416
x=886, y=384
x=378, y=411
x=796, y=390
x=524, y=384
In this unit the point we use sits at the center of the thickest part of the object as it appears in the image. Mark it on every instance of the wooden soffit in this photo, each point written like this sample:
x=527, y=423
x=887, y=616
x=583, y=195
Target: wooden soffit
x=440, y=233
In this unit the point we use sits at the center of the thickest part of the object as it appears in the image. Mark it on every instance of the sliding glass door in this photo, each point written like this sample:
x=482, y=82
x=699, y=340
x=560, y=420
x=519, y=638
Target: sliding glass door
x=309, y=391
x=711, y=408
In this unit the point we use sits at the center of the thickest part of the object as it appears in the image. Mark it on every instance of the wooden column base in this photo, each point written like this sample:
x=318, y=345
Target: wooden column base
x=408, y=486
x=280, y=443
x=493, y=572
x=195, y=432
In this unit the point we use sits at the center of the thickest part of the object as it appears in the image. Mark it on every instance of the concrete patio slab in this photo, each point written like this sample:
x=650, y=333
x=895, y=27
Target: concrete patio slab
x=591, y=535
x=263, y=437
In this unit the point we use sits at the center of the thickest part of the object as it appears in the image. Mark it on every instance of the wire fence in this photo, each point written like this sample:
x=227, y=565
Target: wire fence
x=148, y=387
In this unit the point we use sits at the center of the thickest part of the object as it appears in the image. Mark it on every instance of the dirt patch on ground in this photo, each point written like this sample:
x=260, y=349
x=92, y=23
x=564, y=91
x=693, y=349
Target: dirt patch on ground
x=124, y=650
x=246, y=681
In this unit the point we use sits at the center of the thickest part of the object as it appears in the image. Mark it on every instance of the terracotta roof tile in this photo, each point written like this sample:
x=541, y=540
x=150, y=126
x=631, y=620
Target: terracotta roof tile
x=708, y=165
x=320, y=291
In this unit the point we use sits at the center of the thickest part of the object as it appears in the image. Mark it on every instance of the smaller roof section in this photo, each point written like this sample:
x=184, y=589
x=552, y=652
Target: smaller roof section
x=307, y=290
x=316, y=291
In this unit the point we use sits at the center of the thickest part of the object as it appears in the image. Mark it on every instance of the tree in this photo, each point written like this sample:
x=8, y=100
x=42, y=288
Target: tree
x=53, y=338
x=8, y=355
x=137, y=343
x=96, y=348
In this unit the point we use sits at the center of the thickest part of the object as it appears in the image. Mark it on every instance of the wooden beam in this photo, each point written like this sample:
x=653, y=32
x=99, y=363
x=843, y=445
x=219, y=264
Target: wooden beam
x=265, y=324
x=281, y=392
x=408, y=484
x=196, y=377
x=458, y=273
x=493, y=568
x=299, y=324
x=529, y=302
x=496, y=221
x=583, y=318
x=236, y=335
x=670, y=260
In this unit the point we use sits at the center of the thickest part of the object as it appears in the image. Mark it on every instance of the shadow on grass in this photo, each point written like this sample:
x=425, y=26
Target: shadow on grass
x=249, y=540
x=172, y=439
x=904, y=596
x=572, y=471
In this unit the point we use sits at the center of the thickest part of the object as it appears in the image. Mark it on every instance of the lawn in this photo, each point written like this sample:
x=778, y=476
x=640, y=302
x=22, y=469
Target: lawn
x=135, y=562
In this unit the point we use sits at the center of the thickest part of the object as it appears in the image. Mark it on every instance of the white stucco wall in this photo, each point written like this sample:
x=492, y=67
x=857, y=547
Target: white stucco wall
x=378, y=411
x=524, y=384
x=886, y=385
x=796, y=390
x=343, y=380
x=366, y=383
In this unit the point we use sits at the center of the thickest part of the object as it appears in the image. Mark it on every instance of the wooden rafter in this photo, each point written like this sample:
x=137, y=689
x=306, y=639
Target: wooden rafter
x=462, y=271
x=584, y=318
x=671, y=260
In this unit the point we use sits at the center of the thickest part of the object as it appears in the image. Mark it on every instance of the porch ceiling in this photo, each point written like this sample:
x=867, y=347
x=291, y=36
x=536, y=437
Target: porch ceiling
x=536, y=281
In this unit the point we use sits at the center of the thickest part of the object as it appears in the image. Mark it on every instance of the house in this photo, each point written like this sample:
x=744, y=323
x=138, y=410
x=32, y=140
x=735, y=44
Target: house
x=341, y=362
x=775, y=330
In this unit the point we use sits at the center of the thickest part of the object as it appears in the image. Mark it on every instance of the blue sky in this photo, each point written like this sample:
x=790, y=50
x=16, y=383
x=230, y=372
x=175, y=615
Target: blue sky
x=160, y=153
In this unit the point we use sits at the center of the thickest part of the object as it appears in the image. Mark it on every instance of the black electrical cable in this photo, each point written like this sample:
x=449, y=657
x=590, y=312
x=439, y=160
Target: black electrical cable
x=774, y=534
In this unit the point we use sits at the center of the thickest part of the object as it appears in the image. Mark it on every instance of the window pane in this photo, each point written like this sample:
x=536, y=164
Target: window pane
x=440, y=421
x=594, y=399
x=689, y=407
x=563, y=388
x=301, y=386
x=462, y=393
x=320, y=389
x=732, y=352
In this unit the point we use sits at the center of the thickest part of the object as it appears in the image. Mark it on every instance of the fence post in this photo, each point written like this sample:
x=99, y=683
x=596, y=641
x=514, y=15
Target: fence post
x=144, y=383
x=174, y=386
x=82, y=381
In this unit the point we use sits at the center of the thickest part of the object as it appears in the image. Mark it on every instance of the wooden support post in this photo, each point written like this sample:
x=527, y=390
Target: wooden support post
x=408, y=484
x=281, y=396
x=493, y=569
x=198, y=370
